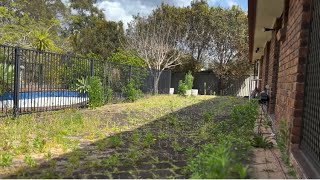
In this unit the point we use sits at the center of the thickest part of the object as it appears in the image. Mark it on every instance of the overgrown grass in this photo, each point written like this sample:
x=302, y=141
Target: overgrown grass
x=50, y=134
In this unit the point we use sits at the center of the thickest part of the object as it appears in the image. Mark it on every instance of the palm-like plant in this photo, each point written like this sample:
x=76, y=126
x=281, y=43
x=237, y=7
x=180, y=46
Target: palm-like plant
x=83, y=85
x=6, y=77
x=41, y=39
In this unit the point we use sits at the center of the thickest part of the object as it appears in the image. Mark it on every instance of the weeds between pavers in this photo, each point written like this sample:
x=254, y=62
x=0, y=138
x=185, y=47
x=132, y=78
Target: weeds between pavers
x=159, y=148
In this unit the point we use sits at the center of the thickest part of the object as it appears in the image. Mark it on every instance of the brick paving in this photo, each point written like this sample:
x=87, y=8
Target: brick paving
x=267, y=163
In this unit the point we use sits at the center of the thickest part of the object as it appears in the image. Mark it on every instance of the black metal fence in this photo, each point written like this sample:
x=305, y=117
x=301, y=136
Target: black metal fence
x=34, y=81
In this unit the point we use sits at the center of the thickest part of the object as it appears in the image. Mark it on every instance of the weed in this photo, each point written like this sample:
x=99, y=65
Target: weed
x=163, y=135
x=5, y=159
x=29, y=161
x=48, y=156
x=190, y=151
x=132, y=156
x=111, y=161
x=115, y=141
x=136, y=137
x=39, y=144
x=207, y=116
x=176, y=147
x=148, y=140
x=259, y=141
x=173, y=120
x=242, y=171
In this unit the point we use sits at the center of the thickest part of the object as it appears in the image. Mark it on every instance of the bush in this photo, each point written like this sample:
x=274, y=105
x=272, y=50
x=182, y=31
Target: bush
x=6, y=77
x=132, y=92
x=182, y=88
x=188, y=80
x=108, y=95
x=95, y=90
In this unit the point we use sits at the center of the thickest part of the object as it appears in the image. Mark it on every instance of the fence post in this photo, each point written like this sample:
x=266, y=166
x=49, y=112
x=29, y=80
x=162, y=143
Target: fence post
x=91, y=67
x=16, y=82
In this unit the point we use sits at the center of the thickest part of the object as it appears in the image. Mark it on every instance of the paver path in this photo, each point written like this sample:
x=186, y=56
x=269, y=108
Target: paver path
x=267, y=163
x=158, y=149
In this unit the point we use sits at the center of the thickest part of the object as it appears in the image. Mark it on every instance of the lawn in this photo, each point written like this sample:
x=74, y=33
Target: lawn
x=155, y=137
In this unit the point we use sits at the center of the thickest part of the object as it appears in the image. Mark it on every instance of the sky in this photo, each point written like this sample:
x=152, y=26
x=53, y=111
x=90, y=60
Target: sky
x=123, y=10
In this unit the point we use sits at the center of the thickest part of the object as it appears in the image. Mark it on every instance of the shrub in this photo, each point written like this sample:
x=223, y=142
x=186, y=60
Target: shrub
x=95, y=92
x=132, y=92
x=108, y=95
x=6, y=77
x=188, y=80
x=182, y=88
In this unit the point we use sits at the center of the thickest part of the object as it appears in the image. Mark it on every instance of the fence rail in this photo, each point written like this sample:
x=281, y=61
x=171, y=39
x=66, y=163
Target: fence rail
x=34, y=81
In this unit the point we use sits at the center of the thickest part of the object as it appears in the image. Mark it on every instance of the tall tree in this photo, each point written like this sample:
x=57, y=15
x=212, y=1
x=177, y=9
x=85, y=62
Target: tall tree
x=91, y=32
x=228, y=49
x=157, y=43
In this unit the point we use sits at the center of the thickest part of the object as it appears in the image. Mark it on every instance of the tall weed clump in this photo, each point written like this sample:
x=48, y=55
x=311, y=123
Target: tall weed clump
x=223, y=158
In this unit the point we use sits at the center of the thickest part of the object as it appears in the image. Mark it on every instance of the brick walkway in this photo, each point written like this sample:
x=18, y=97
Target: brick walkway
x=267, y=163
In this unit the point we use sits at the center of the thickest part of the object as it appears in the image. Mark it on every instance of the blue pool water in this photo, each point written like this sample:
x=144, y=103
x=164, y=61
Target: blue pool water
x=41, y=94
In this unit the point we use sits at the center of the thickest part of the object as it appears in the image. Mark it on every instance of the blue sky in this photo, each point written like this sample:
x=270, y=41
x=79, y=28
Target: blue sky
x=123, y=10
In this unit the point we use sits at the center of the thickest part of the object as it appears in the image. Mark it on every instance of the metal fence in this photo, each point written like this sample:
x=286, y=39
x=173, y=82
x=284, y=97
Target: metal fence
x=34, y=81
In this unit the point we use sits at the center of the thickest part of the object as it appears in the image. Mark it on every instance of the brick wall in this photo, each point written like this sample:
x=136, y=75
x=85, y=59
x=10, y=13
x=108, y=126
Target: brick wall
x=265, y=66
x=273, y=66
x=293, y=56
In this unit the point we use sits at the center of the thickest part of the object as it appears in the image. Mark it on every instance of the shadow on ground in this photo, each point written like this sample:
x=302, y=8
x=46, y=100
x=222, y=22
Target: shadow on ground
x=159, y=149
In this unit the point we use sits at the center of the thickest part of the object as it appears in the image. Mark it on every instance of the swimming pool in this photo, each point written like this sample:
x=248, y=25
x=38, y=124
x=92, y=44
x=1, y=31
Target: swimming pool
x=53, y=98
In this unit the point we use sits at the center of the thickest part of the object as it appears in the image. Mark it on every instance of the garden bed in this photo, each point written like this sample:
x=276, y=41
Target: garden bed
x=156, y=137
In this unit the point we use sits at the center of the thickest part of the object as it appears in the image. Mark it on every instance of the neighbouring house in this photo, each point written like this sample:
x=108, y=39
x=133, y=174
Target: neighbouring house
x=284, y=46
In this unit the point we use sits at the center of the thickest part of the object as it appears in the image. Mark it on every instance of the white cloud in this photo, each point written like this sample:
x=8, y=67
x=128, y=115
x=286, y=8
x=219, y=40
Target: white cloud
x=116, y=10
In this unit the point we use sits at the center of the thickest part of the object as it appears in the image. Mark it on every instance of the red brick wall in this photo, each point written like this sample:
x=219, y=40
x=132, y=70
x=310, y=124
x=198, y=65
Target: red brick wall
x=265, y=66
x=273, y=66
x=293, y=56
x=260, y=73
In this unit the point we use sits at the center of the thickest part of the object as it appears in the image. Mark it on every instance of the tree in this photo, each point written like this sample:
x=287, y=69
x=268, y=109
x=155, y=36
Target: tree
x=127, y=57
x=228, y=49
x=156, y=42
x=91, y=32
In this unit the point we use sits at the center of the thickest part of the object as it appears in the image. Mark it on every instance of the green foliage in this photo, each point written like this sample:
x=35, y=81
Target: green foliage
x=188, y=80
x=208, y=116
x=95, y=92
x=215, y=162
x=6, y=77
x=29, y=161
x=83, y=85
x=282, y=140
x=39, y=143
x=232, y=144
x=111, y=161
x=259, y=141
x=148, y=140
x=108, y=95
x=5, y=159
x=41, y=40
x=115, y=141
x=182, y=88
x=127, y=57
x=132, y=92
